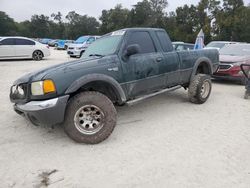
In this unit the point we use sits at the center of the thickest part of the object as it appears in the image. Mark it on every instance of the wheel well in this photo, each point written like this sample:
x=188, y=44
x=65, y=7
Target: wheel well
x=39, y=51
x=102, y=87
x=203, y=68
x=82, y=52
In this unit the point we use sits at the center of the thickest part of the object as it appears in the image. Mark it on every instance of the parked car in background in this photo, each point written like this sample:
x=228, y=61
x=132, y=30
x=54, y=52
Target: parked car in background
x=63, y=44
x=45, y=40
x=231, y=57
x=218, y=44
x=80, y=45
x=180, y=46
x=22, y=48
x=53, y=43
x=67, y=43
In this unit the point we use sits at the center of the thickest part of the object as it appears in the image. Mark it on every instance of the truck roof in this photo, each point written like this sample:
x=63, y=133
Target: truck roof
x=142, y=28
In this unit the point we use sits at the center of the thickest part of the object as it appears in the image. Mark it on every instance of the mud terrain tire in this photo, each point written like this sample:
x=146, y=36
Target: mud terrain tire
x=90, y=118
x=200, y=88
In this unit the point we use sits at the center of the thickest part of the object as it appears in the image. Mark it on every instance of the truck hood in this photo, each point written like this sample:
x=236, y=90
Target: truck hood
x=234, y=59
x=40, y=74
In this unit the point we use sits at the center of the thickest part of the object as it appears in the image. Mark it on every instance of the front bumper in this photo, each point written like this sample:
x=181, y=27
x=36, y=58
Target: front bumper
x=227, y=77
x=232, y=73
x=74, y=52
x=47, y=112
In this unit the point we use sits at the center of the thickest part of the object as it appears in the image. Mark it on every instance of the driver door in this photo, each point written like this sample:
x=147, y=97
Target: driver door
x=141, y=71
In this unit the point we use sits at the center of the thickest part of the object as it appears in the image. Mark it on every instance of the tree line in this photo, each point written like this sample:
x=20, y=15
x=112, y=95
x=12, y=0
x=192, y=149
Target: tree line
x=220, y=20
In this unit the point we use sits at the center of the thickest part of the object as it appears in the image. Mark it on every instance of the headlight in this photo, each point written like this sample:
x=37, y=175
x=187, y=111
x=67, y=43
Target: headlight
x=81, y=48
x=42, y=87
x=238, y=63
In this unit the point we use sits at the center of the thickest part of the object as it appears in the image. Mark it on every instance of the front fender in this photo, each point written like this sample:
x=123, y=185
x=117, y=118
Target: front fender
x=76, y=85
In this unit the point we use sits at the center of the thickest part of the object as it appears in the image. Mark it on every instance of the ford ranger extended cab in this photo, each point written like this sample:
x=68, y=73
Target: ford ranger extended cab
x=122, y=67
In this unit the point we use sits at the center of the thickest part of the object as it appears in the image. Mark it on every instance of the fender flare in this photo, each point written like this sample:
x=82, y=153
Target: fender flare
x=77, y=84
x=198, y=62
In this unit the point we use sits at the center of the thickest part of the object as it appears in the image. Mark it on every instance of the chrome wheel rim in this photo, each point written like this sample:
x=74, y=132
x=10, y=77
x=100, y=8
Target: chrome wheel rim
x=205, y=89
x=38, y=55
x=89, y=119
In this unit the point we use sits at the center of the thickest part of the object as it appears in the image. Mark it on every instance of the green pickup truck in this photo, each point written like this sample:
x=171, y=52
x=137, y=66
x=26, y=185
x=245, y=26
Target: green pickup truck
x=122, y=67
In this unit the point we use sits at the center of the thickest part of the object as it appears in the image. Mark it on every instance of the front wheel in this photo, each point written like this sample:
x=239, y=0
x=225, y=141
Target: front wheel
x=200, y=88
x=90, y=118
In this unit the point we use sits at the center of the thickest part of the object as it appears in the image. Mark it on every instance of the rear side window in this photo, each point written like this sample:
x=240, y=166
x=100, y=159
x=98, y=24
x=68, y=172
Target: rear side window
x=143, y=39
x=9, y=41
x=24, y=42
x=164, y=41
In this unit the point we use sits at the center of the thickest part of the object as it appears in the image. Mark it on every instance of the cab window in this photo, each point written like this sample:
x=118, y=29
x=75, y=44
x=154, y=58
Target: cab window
x=143, y=39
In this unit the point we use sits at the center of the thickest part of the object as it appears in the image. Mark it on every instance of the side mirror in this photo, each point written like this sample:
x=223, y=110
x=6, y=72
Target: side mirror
x=132, y=49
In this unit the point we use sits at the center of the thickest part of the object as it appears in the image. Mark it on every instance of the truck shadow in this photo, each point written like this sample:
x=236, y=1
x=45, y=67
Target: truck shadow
x=227, y=82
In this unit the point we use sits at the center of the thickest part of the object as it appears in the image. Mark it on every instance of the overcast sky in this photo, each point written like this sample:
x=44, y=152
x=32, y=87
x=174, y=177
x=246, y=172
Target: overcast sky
x=23, y=9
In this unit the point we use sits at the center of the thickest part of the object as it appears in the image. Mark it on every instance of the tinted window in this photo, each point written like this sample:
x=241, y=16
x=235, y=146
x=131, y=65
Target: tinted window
x=143, y=39
x=164, y=41
x=9, y=41
x=24, y=42
x=90, y=40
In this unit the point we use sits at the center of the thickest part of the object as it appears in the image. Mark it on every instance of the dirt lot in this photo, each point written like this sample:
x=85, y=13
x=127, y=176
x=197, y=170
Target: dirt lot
x=162, y=142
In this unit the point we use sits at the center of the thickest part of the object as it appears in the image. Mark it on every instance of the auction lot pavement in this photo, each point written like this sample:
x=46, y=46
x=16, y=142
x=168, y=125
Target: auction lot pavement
x=162, y=142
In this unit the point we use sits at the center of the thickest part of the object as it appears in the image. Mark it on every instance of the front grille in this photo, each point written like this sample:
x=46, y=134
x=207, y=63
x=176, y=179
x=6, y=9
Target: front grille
x=225, y=62
x=221, y=66
x=19, y=92
x=71, y=48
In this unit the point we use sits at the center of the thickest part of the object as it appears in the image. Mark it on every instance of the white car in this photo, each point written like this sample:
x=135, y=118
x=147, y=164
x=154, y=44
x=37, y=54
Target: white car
x=77, y=48
x=22, y=48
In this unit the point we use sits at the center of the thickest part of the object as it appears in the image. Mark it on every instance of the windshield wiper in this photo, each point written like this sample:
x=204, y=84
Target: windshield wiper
x=98, y=55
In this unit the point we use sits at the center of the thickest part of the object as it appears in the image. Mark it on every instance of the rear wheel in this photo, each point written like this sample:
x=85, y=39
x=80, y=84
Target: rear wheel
x=90, y=118
x=37, y=55
x=200, y=88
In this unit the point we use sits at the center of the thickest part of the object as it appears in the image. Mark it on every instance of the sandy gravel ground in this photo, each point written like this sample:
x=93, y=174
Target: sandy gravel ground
x=163, y=142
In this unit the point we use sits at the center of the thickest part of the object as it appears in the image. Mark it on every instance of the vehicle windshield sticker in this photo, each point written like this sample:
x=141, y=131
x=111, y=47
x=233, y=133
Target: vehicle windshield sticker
x=121, y=32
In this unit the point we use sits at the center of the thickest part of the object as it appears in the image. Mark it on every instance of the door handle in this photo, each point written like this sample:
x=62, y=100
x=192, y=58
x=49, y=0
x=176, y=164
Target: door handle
x=113, y=69
x=159, y=59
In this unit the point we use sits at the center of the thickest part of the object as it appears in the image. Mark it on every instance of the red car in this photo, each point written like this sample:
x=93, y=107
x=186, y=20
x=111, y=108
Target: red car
x=231, y=57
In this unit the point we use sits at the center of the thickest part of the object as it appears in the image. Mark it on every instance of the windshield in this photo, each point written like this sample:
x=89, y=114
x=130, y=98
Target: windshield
x=81, y=40
x=236, y=50
x=104, y=46
x=216, y=45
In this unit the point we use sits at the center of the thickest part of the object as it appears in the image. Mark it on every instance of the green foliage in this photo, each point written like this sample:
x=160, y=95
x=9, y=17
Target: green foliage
x=114, y=19
x=79, y=25
x=228, y=20
x=7, y=25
